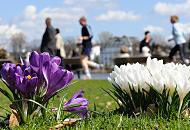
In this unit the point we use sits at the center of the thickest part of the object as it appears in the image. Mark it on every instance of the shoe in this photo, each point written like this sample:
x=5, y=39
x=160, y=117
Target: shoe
x=187, y=61
x=101, y=66
x=87, y=77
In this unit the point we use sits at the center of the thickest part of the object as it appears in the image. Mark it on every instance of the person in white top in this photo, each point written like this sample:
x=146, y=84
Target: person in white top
x=178, y=38
x=59, y=44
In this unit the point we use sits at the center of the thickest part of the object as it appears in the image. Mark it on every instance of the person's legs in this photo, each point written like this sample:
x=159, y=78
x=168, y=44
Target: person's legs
x=50, y=51
x=173, y=51
x=93, y=64
x=58, y=53
x=84, y=62
x=182, y=53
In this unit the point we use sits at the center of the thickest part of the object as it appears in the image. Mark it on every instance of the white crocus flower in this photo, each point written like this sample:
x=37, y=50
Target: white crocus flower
x=169, y=82
x=169, y=76
x=155, y=73
x=181, y=77
x=183, y=88
x=155, y=68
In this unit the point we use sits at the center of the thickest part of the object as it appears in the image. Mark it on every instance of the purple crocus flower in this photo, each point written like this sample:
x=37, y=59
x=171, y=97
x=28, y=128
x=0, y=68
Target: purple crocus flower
x=27, y=84
x=56, y=78
x=77, y=104
x=6, y=71
x=37, y=60
x=8, y=74
x=19, y=78
x=39, y=80
x=43, y=72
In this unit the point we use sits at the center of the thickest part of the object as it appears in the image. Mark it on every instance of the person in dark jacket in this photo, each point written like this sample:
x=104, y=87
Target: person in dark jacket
x=48, y=40
x=147, y=42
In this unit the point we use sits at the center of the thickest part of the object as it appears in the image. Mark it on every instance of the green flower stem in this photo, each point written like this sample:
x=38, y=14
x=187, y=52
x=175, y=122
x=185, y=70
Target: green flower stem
x=180, y=105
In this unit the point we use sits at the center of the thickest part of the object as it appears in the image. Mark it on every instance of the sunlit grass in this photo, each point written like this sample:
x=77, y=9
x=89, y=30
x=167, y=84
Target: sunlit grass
x=106, y=119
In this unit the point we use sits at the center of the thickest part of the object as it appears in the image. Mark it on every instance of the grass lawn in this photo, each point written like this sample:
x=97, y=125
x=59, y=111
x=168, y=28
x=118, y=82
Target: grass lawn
x=105, y=119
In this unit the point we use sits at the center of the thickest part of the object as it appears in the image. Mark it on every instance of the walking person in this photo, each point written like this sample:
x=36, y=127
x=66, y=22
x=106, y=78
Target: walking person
x=48, y=39
x=86, y=39
x=178, y=38
x=60, y=50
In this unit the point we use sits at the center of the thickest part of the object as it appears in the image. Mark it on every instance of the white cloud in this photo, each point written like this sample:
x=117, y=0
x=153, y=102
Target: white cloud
x=65, y=16
x=69, y=2
x=92, y=4
x=1, y=20
x=118, y=16
x=173, y=8
x=6, y=31
x=154, y=29
x=68, y=15
x=186, y=27
x=30, y=12
x=31, y=21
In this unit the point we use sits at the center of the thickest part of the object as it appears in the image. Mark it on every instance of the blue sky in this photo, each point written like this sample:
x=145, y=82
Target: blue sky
x=120, y=17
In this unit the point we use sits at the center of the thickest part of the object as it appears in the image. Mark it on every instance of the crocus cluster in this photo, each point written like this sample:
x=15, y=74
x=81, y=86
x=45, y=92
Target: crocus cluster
x=34, y=82
x=154, y=75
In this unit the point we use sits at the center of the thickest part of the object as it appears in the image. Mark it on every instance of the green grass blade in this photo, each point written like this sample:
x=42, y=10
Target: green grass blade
x=60, y=108
x=7, y=94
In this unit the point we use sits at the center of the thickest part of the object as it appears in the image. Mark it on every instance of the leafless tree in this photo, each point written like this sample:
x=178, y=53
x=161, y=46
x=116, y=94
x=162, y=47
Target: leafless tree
x=187, y=37
x=159, y=39
x=70, y=45
x=18, y=42
x=104, y=37
x=162, y=42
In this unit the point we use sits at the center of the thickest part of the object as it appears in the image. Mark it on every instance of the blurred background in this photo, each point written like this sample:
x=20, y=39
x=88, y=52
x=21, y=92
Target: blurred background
x=118, y=26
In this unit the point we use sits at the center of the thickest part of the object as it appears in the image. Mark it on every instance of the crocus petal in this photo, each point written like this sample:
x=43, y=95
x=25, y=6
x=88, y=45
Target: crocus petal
x=44, y=57
x=48, y=69
x=32, y=84
x=57, y=60
x=34, y=60
x=78, y=94
x=82, y=102
x=37, y=60
x=77, y=104
x=60, y=79
x=26, y=86
x=5, y=71
x=8, y=75
x=56, y=78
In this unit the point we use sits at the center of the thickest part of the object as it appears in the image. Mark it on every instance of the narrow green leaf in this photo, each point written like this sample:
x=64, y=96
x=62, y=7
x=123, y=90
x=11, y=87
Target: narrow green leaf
x=7, y=94
x=59, y=111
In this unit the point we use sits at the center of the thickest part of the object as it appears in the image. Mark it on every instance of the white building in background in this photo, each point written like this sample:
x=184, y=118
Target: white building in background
x=95, y=51
x=112, y=49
